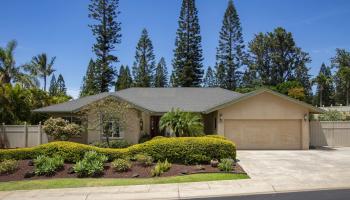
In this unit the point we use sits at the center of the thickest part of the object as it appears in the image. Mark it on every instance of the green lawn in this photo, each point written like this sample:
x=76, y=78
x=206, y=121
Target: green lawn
x=91, y=182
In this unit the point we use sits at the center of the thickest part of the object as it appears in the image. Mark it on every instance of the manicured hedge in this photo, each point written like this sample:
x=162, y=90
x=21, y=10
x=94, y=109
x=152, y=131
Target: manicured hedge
x=176, y=150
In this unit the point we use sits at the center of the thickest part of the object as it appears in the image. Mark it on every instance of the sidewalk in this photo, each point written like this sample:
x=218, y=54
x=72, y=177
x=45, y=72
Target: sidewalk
x=174, y=191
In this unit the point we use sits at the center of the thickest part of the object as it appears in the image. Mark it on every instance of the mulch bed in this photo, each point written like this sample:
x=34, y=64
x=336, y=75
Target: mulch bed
x=140, y=171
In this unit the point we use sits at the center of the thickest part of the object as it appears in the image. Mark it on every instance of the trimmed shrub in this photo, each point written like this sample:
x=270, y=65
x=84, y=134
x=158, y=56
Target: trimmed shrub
x=115, y=144
x=186, y=150
x=144, y=159
x=121, y=165
x=160, y=168
x=45, y=165
x=226, y=165
x=8, y=166
x=91, y=165
x=144, y=138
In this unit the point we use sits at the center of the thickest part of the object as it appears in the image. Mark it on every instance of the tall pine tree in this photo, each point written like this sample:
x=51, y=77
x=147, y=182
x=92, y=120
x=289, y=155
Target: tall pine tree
x=187, y=62
x=209, y=79
x=144, y=64
x=161, y=75
x=230, y=52
x=172, y=80
x=53, y=86
x=107, y=32
x=124, y=79
x=61, y=86
x=341, y=62
x=90, y=81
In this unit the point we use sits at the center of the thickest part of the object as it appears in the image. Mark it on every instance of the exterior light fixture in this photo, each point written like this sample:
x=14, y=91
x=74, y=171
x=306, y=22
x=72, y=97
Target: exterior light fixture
x=306, y=117
x=220, y=117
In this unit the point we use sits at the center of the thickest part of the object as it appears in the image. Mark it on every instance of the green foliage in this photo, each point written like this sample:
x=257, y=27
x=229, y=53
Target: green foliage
x=61, y=129
x=144, y=62
x=184, y=150
x=341, y=62
x=160, y=168
x=121, y=165
x=91, y=165
x=41, y=66
x=53, y=86
x=17, y=102
x=106, y=30
x=144, y=159
x=187, y=62
x=124, y=79
x=145, y=138
x=161, y=75
x=226, y=165
x=293, y=89
x=116, y=144
x=9, y=72
x=182, y=123
x=209, y=79
x=332, y=115
x=8, y=166
x=325, y=89
x=269, y=63
x=61, y=86
x=45, y=165
x=90, y=84
x=230, y=51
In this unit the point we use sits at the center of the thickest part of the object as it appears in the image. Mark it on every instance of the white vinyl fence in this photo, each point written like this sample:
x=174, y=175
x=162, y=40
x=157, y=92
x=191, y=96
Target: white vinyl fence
x=14, y=136
x=329, y=133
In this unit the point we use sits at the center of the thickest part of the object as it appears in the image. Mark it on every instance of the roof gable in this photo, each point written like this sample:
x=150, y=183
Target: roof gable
x=260, y=91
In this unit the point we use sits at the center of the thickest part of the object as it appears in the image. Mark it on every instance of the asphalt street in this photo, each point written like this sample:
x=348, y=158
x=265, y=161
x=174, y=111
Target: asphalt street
x=313, y=195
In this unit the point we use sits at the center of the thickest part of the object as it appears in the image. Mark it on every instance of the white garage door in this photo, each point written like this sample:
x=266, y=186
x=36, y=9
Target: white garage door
x=264, y=134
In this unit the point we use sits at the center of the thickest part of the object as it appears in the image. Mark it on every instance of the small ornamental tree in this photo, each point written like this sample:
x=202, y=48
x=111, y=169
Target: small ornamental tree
x=107, y=110
x=61, y=129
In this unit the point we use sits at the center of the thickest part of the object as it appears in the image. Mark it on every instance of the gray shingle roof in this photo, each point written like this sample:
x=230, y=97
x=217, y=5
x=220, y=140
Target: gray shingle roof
x=157, y=100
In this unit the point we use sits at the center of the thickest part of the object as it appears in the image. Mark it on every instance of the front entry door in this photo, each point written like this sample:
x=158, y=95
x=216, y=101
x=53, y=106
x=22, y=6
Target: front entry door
x=155, y=126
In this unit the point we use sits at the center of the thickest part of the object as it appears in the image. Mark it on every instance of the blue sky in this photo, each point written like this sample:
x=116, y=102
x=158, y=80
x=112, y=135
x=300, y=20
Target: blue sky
x=60, y=28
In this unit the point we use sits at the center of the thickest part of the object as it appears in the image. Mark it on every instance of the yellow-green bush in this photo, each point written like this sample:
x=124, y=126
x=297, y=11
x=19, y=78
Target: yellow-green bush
x=176, y=150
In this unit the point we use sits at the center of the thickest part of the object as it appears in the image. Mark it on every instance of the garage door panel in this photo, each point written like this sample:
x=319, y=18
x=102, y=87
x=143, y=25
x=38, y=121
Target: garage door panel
x=264, y=134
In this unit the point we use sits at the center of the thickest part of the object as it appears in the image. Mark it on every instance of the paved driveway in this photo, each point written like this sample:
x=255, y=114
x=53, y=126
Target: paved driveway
x=312, y=167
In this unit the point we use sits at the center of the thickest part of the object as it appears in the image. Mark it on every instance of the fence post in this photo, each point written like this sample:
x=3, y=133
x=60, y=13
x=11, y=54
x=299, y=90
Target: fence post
x=40, y=134
x=25, y=134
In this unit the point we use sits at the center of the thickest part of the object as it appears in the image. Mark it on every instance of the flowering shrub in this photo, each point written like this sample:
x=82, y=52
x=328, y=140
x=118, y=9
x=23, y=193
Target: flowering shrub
x=61, y=129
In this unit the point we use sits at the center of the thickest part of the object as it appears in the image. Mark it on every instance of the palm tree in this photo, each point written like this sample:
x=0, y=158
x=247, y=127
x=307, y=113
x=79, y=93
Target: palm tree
x=40, y=66
x=182, y=123
x=322, y=81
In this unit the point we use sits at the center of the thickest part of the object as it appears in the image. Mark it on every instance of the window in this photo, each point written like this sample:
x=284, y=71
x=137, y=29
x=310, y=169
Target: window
x=72, y=119
x=112, y=130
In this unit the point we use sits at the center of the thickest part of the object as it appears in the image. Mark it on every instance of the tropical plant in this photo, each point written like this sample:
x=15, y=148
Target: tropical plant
x=182, y=123
x=61, y=129
x=92, y=164
x=41, y=66
x=226, y=164
x=9, y=72
x=160, y=168
x=45, y=165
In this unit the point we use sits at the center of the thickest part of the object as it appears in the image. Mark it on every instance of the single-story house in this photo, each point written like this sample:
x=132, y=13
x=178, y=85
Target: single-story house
x=262, y=119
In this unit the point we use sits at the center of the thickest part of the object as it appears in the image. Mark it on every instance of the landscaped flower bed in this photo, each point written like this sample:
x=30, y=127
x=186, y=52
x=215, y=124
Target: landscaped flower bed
x=160, y=157
x=136, y=171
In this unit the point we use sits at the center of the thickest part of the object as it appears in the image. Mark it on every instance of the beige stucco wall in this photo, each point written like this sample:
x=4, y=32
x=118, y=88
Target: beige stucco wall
x=269, y=107
x=131, y=131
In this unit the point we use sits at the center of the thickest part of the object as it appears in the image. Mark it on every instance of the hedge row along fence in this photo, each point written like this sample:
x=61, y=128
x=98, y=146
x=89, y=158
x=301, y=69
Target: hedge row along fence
x=184, y=150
